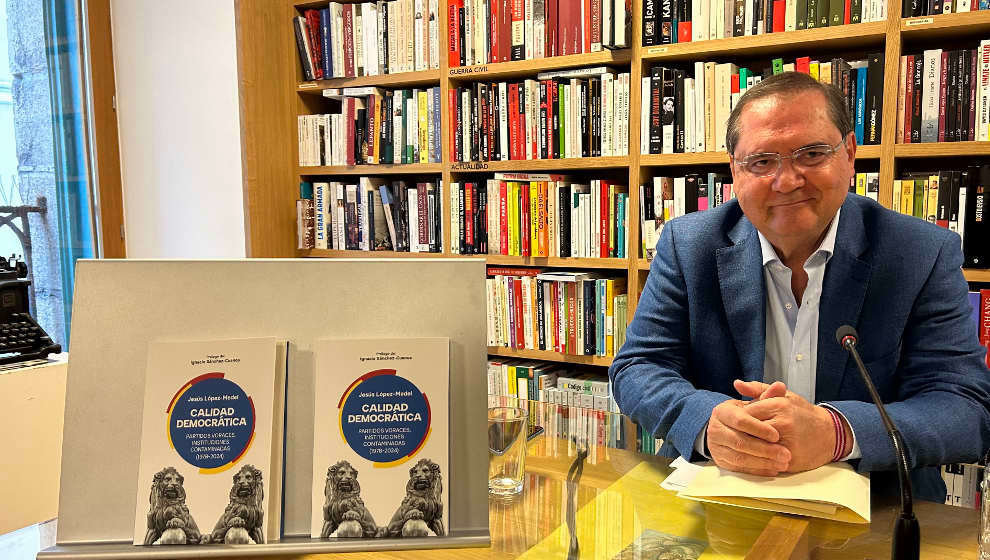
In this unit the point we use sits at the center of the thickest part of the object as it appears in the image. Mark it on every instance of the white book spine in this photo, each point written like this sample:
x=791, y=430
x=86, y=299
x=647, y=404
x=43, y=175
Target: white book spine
x=359, y=48
x=503, y=128
x=420, y=44
x=529, y=20
x=699, y=106
x=413, y=199
x=624, y=121
x=929, y=101
x=527, y=317
x=434, y=33
x=790, y=15
x=711, y=7
x=607, y=105
x=370, y=22
x=679, y=196
x=983, y=93
x=699, y=22
x=689, y=116
x=749, y=13
x=410, y=35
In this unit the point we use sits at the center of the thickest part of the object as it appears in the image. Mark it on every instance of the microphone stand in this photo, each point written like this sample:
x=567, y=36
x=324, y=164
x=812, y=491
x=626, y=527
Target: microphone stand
x=906, y=543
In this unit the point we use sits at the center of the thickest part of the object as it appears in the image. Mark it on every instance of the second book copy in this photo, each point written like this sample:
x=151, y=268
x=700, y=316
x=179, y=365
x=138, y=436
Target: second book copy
x=380, y=438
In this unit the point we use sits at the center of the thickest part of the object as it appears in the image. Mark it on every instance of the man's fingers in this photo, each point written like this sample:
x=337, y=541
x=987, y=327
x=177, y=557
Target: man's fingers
x=734, y=460
x=767, y=408
x=777, y=389
x=751, y=389
x=740, y=419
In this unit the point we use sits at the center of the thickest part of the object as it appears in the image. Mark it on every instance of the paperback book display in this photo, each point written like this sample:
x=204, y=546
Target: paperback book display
x=212, y=443
x=684, y=21
x=944, y=96
x=953, y=199
x=539, y=215
x=687, y=113
x=566, y=114
x=569, y=312
x=380, y=456
x=488, y=31
x=373, y=214
x=370, y=125
x=345, y=40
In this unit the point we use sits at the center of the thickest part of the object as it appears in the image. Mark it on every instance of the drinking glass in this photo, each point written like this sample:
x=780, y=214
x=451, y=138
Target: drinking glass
x=506, y=450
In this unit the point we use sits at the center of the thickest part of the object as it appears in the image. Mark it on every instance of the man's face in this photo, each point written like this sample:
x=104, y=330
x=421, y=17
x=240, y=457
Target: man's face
x=793, y=207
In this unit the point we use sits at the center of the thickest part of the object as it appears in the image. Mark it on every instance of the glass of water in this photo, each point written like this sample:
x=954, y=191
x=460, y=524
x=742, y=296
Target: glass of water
x=506, y=450
x=985, y=517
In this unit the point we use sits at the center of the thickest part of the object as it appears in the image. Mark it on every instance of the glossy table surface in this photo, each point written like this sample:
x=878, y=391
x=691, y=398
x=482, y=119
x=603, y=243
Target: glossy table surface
x=613, y=507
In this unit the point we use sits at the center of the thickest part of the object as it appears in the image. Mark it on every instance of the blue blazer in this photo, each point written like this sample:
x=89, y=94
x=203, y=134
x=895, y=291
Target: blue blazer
x=700, y=323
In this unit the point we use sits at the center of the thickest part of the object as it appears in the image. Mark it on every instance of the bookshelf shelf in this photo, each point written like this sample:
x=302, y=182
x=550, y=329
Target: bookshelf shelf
x=643, y=264
x=550, y=356
x=976, y=275
x=503, y=70
x=400, y=80
x=333, y=253
x=698, y=158
x=370, y=170
x=945, y=25
x=844, y=36
x=556, y=262
x=560, y=165
x=941, y=149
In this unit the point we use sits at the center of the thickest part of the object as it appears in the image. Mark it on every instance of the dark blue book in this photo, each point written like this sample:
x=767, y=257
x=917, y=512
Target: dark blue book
x=327, y=61
x=974, y=308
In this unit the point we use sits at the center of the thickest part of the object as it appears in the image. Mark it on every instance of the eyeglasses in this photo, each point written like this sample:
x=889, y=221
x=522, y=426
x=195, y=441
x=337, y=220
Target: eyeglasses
x=767, y=165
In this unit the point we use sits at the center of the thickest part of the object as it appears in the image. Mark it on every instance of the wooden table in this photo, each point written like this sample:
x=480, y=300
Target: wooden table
x=618, y=499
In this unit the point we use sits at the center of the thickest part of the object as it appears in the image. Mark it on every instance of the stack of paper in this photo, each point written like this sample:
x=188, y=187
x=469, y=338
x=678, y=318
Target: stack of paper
x=834, y=491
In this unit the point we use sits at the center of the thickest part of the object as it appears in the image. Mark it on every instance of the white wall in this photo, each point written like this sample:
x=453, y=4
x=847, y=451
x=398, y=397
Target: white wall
x=179, y=124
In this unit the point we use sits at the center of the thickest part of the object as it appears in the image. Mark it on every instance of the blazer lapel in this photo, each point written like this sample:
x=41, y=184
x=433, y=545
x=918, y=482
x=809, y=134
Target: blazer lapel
x=740, y=277
x=843, y=293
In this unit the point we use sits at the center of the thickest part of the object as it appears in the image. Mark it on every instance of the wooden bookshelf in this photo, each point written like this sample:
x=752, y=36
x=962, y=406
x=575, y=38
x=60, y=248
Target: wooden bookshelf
x=550, y=356
x=372, y=170
x=977, y=274
x=502, y=71
x=942, y=149
x=400, y=80
x=850, y=37
x=273, y=93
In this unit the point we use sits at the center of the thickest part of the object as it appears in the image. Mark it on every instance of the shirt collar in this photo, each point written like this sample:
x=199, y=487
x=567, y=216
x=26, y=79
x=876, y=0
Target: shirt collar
x=827, y=246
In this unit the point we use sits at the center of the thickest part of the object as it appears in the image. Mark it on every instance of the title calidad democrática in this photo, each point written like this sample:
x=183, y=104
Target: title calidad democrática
x=385, y=412
x=211, y=418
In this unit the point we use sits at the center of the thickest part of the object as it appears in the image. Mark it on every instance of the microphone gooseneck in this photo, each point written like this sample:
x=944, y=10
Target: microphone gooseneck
x=906, y=543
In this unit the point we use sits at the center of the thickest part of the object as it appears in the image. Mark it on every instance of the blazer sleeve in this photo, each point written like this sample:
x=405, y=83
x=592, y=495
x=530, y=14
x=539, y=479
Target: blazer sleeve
x=942, y=407
x=651, y=379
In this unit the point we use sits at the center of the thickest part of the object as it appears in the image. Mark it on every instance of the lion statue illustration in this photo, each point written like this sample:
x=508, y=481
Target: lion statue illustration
x=242, y=520
x=421, y=510
x=169, y=521
x=343, y=510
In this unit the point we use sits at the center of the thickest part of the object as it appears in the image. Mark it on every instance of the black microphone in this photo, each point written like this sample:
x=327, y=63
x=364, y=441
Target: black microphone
x=906, y=543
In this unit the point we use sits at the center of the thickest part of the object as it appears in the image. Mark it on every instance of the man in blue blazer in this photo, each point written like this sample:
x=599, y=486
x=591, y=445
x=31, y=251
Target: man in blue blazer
x=744, y=300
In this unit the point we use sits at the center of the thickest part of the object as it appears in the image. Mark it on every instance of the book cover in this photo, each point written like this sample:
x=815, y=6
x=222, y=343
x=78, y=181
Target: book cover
x=380, y=437
x=211, y=443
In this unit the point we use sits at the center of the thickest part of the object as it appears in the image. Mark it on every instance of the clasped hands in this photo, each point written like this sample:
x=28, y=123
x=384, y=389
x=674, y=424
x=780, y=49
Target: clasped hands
x=778, y=431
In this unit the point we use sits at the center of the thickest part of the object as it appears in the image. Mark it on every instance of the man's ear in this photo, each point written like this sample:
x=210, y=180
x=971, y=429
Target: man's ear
x=732, y=168
x=850, y=147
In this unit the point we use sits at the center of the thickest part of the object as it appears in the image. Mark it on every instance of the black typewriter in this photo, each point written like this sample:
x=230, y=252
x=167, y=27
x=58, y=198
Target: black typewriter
x=21, y=337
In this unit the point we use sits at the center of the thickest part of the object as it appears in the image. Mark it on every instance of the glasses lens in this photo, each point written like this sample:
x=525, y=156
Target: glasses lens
x=762, y=165
x=812, y=155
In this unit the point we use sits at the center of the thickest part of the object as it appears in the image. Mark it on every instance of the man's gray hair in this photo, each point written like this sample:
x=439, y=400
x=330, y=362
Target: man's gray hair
x=788, y=84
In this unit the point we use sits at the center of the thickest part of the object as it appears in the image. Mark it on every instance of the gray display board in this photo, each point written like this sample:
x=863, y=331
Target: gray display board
x=120, y=306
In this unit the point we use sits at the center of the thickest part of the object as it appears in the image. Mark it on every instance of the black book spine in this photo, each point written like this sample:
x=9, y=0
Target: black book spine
x=596, y=105
x=543, y=119
x=555, y=112
x=768, y=16
x=475, y=132
x=961, y=94
x=299, y=25
x=496, y=123
x=944, y=192
x=812, y=14
x=679, y=111
x=585, y=120
x=874, y=98
x=856, y=11
x=954, y=177
x=976, y=251
x=457, y=124
x=360, y=135
x=918, y=73
x=690, y=194
x=656, y=130
x=564, y=207
x=650, y=35
x=666, y=22
x=589, y=317
x=476, y=217
x=802, y=14
x=483, y=112
x=461, y=224
x=738, y=18
x=460, y=35
x=483, y=213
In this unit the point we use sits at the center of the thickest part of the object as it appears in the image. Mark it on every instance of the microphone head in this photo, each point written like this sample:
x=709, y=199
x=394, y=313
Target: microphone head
x=844, y=331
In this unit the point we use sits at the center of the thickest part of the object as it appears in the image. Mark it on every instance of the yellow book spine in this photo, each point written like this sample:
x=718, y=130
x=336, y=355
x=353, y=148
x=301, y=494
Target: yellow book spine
x=424, y=129
x=861, y=184
x=931, y=203
x=609, y=317
x=907, y=197
x=534, y=218
x=895, y=203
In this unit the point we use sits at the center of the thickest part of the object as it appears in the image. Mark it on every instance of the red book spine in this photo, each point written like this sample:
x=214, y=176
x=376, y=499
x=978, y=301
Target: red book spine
x=517, y=288
x=553, y=34
x=586, y=27
x=908, y=97
x=974, y=64
x=596, y=25
x=555, y=314
x=779, y=6
x=505, y=31
x=571, y=317
x=511, y=271
x=453, y=35
x=348, y=41
x=985, y=322
x=943, y=84
x=492, y=116
x=803, y=65
x=513, y=121
x=315, y=41
x=684, y=31
x=521, y=119
x=494, y=13
x=422, y=206
x=603, y=220
x=548, y=108
x=503, y=219
x=524, y=218
x=846, y=9
x=734, y=84
x=577, y=40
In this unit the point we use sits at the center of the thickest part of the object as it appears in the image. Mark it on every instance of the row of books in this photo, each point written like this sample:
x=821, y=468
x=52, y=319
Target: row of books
x=368, y=39
x=914, y=8
x=962, y=485
x=561, y=311
x=568, y=114
x=687, y=113
x=979, y=303
x=537, y=215
x=942, y=96
x=484, y=32
x=369, y=125
x=373, y=214
x=954, y=199
x=666, y=198
x=682, y=21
